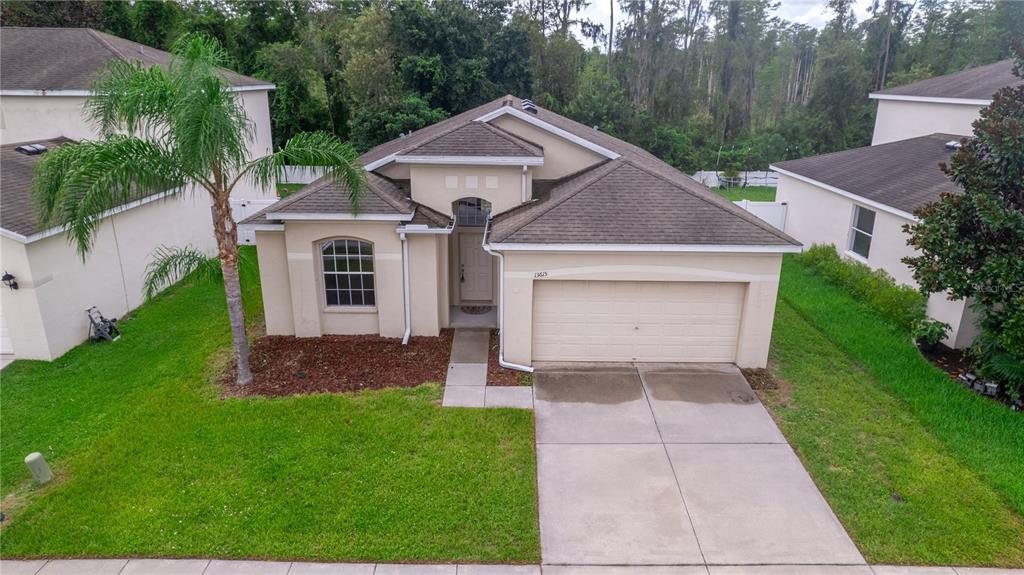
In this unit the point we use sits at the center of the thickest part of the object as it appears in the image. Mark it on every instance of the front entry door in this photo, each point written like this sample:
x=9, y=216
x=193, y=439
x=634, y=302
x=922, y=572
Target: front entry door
x=475, y=267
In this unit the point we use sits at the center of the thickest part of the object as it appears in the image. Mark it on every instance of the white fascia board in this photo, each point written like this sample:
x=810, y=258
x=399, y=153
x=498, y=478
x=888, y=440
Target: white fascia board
x=859, y=199
x=424, y=230
x=263, y=227
x=81, y=93
x=56, y=230
x=313, y=216
x=534, y=120
x=378, y=163
x=663, y=248
x=472, y=160
x=929, y=99
x=13, y=236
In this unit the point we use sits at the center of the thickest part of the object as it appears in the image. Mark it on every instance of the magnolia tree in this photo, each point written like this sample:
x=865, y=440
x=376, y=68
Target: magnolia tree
x=972, y=243
x=178, y=129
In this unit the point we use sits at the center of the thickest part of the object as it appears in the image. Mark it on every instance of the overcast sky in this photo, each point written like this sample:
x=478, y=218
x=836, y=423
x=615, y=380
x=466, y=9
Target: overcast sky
x=810, y=12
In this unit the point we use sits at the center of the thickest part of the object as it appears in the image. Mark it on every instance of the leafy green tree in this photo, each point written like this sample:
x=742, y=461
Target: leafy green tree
x=369, y=54
x=300, y=102
x=600, y=100
x=180, y=130
x=156, y=22
x=372, y=125
x=971, y=243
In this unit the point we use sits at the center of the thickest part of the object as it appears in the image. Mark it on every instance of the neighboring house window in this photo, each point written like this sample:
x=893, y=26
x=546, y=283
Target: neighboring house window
x=473, y=211
x=348, y=273
x=862, y=230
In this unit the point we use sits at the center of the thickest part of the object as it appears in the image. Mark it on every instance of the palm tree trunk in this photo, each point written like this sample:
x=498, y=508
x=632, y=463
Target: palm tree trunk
x=227, y=245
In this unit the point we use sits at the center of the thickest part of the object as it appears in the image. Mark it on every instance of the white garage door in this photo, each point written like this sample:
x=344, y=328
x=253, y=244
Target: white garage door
x=597, y=321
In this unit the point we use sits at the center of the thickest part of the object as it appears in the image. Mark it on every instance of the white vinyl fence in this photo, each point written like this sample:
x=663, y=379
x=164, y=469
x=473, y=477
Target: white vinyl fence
x=772, y=212
x=712, y=179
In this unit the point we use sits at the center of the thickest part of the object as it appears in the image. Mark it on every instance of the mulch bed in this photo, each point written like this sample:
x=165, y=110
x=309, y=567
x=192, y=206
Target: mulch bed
x=500, y=376
x=286, y=365
x=760, y=379
x=952, y=361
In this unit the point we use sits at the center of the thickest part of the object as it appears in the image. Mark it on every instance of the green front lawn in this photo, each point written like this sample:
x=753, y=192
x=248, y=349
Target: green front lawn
x=753, y=193
x=919, y=470
x=285, y=190
x=150, y=462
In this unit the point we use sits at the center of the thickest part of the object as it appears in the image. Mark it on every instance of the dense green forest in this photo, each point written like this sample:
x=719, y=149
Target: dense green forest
x=701, y=83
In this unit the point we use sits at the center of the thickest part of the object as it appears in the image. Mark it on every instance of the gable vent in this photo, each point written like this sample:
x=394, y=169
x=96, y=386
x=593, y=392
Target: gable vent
x=952, y=145
x=31, y=149
x=529, y=106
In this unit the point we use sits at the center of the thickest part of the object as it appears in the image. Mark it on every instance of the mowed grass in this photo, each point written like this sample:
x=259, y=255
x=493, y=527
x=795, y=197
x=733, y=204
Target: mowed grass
x=285, y=190
x=150, y=462
x=753, y=193
x=900, y=491
x=983, y=434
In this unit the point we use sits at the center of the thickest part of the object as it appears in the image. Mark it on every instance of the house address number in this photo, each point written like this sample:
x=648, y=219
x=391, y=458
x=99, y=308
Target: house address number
x=540, y=274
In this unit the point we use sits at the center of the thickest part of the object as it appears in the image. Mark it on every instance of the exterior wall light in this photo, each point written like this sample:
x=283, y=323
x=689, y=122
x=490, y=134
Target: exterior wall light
x=9, y=280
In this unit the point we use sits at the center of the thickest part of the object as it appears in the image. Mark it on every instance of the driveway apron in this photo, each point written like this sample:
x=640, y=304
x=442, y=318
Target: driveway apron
x=662, y=464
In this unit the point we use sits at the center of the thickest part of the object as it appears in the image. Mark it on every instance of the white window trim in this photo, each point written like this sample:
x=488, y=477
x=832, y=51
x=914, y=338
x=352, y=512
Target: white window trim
x=853, y=233
x=930, y=99
x=860, y=199
x=341, y=308
x=683, y=248
x=534, y=120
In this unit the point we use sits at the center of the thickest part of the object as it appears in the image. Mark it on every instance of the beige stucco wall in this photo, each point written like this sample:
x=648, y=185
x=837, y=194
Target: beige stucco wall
x=438, y=187
x=46, y=317
x=818, y=216
x=31, y=118
x=899, y=120
x=759, y=272
x=292, y=280
x=561, y=157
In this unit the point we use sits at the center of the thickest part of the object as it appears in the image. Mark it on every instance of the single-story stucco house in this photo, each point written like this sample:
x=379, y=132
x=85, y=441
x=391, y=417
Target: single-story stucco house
x=859, y=200
x=589, y=249
x=45, y=78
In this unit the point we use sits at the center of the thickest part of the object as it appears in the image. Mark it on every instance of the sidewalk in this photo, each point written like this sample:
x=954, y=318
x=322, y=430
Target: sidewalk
x=218, y=567
x=466, y=385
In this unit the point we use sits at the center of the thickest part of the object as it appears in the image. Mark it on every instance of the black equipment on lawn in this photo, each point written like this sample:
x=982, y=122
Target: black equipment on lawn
x=102, y=328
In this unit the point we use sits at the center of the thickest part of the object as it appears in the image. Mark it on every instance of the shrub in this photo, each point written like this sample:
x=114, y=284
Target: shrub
x=901, y=304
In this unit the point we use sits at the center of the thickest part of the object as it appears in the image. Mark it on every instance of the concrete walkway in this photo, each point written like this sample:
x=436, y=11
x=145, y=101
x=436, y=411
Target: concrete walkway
x=669, y=465
x=466, y=385
x=217, y=567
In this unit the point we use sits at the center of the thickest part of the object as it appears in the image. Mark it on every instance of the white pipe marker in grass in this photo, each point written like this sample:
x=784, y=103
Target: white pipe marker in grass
x=39, y=468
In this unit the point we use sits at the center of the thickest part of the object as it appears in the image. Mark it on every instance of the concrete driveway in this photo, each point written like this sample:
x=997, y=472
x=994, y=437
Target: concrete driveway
x=670, y=465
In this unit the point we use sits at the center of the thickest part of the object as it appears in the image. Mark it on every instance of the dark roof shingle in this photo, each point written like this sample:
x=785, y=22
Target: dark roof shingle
x=18, y=211
x=72, y=58
x=904, y=174
x=475, y=139
x=972, y=84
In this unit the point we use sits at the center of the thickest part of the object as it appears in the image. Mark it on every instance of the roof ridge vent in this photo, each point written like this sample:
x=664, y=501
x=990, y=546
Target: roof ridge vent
x=31, y=149
x=953, y=145
x=529, y=106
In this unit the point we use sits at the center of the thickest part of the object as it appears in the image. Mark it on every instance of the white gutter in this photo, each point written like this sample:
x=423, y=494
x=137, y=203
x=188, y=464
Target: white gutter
x=106, y=214
x=930, y=99
x=860, y=199
x=501, y=304
x=320, y=216
x=678, y=248
x=471, y=160
x=405, y=289
x=84, y=93
x=524, y=184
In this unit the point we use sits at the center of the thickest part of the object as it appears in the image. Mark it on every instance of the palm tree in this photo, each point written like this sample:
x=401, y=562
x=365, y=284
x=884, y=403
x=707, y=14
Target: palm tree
x=177, y=130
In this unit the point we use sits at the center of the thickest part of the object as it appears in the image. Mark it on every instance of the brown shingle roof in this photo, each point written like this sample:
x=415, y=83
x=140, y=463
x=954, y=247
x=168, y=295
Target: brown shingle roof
x=72, y=58
x=17, y=209
x=904, y=174
x=625, y=202
x=475, y=139
x=972, y=84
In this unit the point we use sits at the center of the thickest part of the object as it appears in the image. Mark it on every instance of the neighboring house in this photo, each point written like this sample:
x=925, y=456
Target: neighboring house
x=945, y=104
x=590, y=248
x=859, y=200
x=45, y=75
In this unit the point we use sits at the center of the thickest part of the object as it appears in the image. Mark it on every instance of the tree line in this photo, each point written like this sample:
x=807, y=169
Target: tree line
x=703, y=84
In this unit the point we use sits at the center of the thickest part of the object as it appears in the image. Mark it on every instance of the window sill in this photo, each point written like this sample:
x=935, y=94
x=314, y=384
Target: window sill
x=350, y=309
x=855, y=256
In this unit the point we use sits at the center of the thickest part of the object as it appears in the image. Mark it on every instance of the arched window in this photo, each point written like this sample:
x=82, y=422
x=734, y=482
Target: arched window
x=348, y=273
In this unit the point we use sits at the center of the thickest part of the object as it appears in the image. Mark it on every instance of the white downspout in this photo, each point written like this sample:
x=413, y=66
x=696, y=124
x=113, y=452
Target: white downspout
x=523, y=192
x=405, y=288
x=501, y=299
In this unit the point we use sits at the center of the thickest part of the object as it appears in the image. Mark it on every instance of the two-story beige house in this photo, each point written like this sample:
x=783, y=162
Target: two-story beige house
x=859, y=200
x=45, y=79
x=585, y=247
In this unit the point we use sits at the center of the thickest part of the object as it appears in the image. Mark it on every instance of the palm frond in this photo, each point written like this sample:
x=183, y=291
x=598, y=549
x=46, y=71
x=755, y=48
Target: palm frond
x=77, y=182
x=171, y=264
x=132, y=97
x=337, y=158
